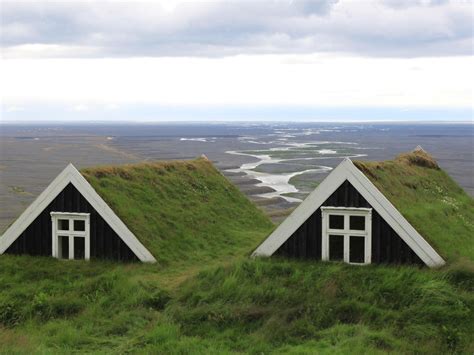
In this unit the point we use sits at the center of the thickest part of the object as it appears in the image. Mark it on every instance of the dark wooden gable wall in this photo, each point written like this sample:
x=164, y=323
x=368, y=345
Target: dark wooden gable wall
x=387, y=246
x=37, y=239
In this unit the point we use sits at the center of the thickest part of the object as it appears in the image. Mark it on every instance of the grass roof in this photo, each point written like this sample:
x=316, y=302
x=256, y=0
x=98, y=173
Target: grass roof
x=181, y=210
x=439, y=209
x=234, y=306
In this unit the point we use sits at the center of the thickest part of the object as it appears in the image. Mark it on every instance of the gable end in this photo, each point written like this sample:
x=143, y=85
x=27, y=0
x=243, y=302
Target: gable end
x=347, y=171
x=108, y=220
x=36, y=239
x=387, y=246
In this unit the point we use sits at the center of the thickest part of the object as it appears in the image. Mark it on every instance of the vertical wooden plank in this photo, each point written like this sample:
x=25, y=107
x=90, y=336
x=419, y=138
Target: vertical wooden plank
x=93, y=235
x=393, y=250
x=108, y=242
x=318, y=227
x=24, y=241
x=310, y=238
x=99, y=237
x=105, y=240
x=353, y=196
x=386, y=243
x=68, y=199
x=59, y=204
x=84, y=205
x=293, y=245
x=117, y=247
x=380, y=239
x=37, y=237
x=396, y=246
x=303, y=243
x=44, y=233
x=402, y=251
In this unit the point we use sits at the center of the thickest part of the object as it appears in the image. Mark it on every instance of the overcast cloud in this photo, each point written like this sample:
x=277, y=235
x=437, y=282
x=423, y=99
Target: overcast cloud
x=287, y=59
x=390, y=28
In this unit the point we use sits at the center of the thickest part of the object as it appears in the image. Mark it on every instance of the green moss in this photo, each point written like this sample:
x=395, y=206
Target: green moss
x=182, y=211
x=439, y=209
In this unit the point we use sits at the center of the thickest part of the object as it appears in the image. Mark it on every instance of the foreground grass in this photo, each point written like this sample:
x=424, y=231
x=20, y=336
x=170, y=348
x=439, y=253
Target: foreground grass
x=256, y=306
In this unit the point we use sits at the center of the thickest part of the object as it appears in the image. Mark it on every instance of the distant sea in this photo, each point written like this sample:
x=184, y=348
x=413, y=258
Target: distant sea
x=278, y=160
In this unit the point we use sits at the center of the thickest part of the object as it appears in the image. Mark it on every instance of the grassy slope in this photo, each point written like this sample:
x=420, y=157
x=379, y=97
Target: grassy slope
x=429, y=199
x=277, y=305
x=205, y=296
x=181, y=210
x=255, y=306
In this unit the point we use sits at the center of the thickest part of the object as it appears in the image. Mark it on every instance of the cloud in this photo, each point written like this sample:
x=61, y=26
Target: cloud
x=294, y=80
x=14, y=109
x=400, y=4
x=393, y=28
x=80, y=107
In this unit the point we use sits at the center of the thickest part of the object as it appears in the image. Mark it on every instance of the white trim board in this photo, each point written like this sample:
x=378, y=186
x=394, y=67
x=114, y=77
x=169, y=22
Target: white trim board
x=346, y=232
x=71, y=175
x=71, y=233
x=346, y=170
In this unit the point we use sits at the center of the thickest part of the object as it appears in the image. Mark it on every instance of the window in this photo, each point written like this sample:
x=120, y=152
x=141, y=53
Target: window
x=71, y=238
x=79, y=225
x=63, y=224
x=347, y=234
x=336, y=247
x=336, y=221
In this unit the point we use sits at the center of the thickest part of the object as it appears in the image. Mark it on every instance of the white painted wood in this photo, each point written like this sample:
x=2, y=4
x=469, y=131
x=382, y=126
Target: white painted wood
x=344, y=210
x=87, y=246
x=346, y=248
x=71, y=248
x=71, y=233
x=346, y=170
x=368, y=239
x=326, y=212
x=71, y=175
x=324, y=240
x=54, y=246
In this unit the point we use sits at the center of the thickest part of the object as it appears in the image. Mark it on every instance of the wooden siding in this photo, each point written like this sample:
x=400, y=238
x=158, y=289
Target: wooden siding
x=387, y=246
x=105, y=243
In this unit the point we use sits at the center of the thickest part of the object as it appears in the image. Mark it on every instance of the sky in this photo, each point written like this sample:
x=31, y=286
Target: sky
x=320, y=60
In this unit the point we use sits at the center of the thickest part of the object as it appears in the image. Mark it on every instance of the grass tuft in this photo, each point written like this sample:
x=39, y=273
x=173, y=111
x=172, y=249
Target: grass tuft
x=287, y=304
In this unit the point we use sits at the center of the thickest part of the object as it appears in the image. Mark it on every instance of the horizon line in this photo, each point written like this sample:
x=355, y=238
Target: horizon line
x=13, y=122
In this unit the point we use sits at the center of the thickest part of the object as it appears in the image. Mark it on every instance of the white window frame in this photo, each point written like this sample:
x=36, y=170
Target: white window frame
x=347, y=232
x=70, y=233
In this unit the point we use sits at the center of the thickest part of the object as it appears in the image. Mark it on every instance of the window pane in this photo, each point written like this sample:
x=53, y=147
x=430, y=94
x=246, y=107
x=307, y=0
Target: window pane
x=357, y=223
x=63, y=224
x=63, y=247
x=356, y=249
x=79, y=247
x=79, y=226
x=336, y=222
x=336, y=247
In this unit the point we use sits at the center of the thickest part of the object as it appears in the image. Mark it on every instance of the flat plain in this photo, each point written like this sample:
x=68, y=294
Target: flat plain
x=274, y=164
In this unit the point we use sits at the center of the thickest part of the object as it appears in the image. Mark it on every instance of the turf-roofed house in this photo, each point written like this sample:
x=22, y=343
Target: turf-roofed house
x=403, y=211
x=151, y=211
